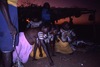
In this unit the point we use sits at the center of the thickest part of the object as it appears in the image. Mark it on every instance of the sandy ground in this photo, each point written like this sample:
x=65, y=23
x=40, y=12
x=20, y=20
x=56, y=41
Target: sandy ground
x=80, y=58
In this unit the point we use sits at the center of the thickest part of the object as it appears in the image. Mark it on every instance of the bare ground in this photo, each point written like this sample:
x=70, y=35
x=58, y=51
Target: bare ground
x=81, y=58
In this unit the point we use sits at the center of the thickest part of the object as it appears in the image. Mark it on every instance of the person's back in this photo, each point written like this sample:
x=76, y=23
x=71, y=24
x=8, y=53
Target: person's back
x=31, y=34
x=4, y=31
x=45, y=14
x=46, y=17
x=8, y=26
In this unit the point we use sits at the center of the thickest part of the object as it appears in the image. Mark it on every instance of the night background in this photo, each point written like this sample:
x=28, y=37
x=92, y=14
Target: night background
x=84, y=28
x=86, y=25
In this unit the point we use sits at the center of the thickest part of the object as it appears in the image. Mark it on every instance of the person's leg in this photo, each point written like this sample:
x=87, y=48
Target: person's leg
x=53, y=46
x=34, y=52
x=47, y=52
x=0, y=59
x=40, y=50
x=7, y=59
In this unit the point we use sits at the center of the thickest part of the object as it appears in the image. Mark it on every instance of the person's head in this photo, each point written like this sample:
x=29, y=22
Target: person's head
x=45, y=28
x=65, y=25
x=46, y=5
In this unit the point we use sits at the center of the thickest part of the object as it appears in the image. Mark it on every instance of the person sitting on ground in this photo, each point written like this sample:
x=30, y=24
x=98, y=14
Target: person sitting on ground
x=26, y=40
x=67, y=34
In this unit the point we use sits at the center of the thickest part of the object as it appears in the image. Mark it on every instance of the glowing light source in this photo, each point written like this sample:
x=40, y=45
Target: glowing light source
x=27, y=20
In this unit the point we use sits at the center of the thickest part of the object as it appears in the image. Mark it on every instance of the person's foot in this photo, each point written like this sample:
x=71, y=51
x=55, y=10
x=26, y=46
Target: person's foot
x=18, y=64
x=51, y=64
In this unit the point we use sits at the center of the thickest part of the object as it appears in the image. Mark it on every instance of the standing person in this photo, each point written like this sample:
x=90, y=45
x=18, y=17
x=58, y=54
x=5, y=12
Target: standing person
x=46, y=17
x=8, y=30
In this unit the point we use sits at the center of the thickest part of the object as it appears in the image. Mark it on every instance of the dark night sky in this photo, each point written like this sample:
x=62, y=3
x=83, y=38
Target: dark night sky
x=90, y=4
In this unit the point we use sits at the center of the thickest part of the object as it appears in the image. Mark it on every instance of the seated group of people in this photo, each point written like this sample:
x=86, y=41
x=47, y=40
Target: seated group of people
x=35, y=35
x=44, y=36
